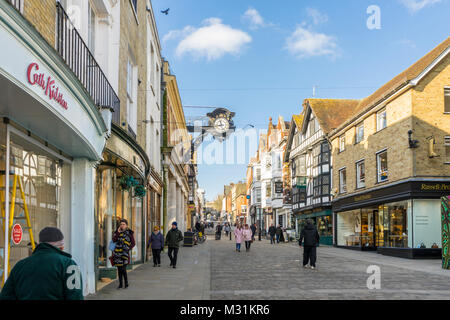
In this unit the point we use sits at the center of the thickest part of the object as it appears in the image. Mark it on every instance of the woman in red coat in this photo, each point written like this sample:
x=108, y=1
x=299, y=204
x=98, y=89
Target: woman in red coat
x=124, y=240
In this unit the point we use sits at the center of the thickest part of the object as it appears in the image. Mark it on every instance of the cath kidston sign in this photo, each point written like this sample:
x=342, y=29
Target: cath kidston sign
x=46, y=83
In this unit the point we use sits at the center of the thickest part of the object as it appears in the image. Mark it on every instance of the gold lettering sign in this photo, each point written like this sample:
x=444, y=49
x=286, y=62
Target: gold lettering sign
x=361, y=198
x=435, y=187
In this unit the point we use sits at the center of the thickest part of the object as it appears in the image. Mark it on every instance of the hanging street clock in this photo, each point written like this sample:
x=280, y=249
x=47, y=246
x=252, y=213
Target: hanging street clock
x=220, y=122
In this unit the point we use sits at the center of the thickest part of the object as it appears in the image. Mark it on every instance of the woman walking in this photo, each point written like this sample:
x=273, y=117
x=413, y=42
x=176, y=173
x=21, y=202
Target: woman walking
x=227, y=229
x=248, y=235
x=238, y=235
x=124, y=240
x=156, y=241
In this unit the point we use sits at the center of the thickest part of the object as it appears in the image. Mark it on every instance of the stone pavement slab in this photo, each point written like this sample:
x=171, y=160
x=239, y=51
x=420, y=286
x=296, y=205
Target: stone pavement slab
x=189, y=281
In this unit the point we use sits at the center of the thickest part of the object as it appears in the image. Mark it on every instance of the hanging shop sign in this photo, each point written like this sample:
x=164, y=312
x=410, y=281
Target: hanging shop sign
x=17, y=233
x=279, y=187
x=47, y=83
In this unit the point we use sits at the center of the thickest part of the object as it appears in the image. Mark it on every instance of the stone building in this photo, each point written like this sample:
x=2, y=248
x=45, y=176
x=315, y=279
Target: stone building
x=311, y=165
x=391, y=162
x=176, y=142
x=53, y=139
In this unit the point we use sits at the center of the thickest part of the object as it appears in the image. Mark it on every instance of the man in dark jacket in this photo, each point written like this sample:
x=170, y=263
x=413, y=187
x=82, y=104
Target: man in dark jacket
x=48, y=274
x=198, y=226
x=272, y=232
x=278, y=233
x=253, y=228
x=311, y=237
x=173, y=238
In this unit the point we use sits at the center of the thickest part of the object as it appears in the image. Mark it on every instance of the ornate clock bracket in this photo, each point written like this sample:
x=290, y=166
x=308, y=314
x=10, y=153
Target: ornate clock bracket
x=220, y=126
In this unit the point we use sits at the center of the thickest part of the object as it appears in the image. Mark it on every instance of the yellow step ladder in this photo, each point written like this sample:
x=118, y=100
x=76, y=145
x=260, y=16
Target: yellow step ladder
x=17, y=184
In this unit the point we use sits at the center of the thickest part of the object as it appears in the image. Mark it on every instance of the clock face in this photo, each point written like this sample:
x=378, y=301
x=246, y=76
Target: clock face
x=221, y=125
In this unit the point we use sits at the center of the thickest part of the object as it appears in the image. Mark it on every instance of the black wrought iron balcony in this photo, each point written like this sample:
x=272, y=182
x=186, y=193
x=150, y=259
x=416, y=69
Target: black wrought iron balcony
x=79, y=58
x=16, y=4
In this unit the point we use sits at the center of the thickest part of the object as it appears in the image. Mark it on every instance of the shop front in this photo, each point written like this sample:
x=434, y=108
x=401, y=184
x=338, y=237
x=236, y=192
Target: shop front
x=322, y=219
x=154, y=194
x=400, y=220
x=51, y=137
x=121, y=193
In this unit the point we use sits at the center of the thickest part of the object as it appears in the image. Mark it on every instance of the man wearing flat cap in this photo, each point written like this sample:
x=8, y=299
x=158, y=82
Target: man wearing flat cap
x=48, y=274
x=173, y=238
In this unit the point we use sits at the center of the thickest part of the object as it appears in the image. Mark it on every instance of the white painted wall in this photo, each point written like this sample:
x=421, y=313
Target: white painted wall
x=82, y=221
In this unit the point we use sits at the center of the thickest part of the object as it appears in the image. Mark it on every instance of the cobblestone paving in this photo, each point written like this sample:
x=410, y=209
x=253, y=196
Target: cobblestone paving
x=275, y=272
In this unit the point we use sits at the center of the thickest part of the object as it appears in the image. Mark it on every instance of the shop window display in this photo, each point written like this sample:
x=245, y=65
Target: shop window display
x=325, y=226
x=349, y=228
x=381, y=226
x=41, y=177
x=115, y=204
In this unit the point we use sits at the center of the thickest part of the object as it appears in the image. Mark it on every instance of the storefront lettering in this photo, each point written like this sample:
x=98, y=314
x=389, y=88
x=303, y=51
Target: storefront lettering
x=438, y=187
x=365, y=197
x=48, y=85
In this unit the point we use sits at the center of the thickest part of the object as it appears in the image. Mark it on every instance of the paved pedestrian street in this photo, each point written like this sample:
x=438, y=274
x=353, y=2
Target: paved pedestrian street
x=214, y=270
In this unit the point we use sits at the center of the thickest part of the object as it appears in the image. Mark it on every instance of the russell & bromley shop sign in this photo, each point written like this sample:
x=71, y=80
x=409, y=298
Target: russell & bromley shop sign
x=46, y=83
x=435, y=187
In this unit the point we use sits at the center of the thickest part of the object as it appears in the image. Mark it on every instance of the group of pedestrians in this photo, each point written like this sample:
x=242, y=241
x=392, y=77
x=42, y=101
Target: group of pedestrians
x=243, y=234
x=276, y=233
x=57, y=277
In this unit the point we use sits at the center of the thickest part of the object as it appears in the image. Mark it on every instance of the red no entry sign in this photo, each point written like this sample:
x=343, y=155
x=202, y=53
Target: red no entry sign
x=17, y=233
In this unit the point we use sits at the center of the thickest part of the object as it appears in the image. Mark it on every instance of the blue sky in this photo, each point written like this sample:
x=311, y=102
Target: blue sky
x=261, y=58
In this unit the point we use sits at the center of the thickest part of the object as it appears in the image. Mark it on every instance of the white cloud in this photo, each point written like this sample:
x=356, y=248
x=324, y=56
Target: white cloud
x=416, y=5
x=306, y=43
x=317, y=16
x=256, y=21
x=211, y=41
x=174, y=34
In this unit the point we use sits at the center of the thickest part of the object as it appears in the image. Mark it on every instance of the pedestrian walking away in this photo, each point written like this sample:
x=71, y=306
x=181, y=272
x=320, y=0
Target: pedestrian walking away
x=173, y=238
x=227, y=229
x=48, y=274
x=218, y=232
x=247, y=233
x=156, y=242
x=124, y=243
x=311, y=238
x=253, y=228
x=278, y=233
x=233, y=227
x=272, y=232
x=284, y=236
x=238, y=236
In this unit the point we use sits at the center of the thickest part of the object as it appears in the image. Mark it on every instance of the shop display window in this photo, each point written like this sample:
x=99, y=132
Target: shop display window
x=325, y=226
x=397, y=233
x=349, y=228
x=41, y=176
x=426, y=223
x=381, y=226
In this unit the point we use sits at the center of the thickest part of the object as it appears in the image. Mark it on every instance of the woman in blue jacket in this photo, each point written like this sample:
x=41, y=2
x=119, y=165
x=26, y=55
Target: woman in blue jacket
x=156, y=241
